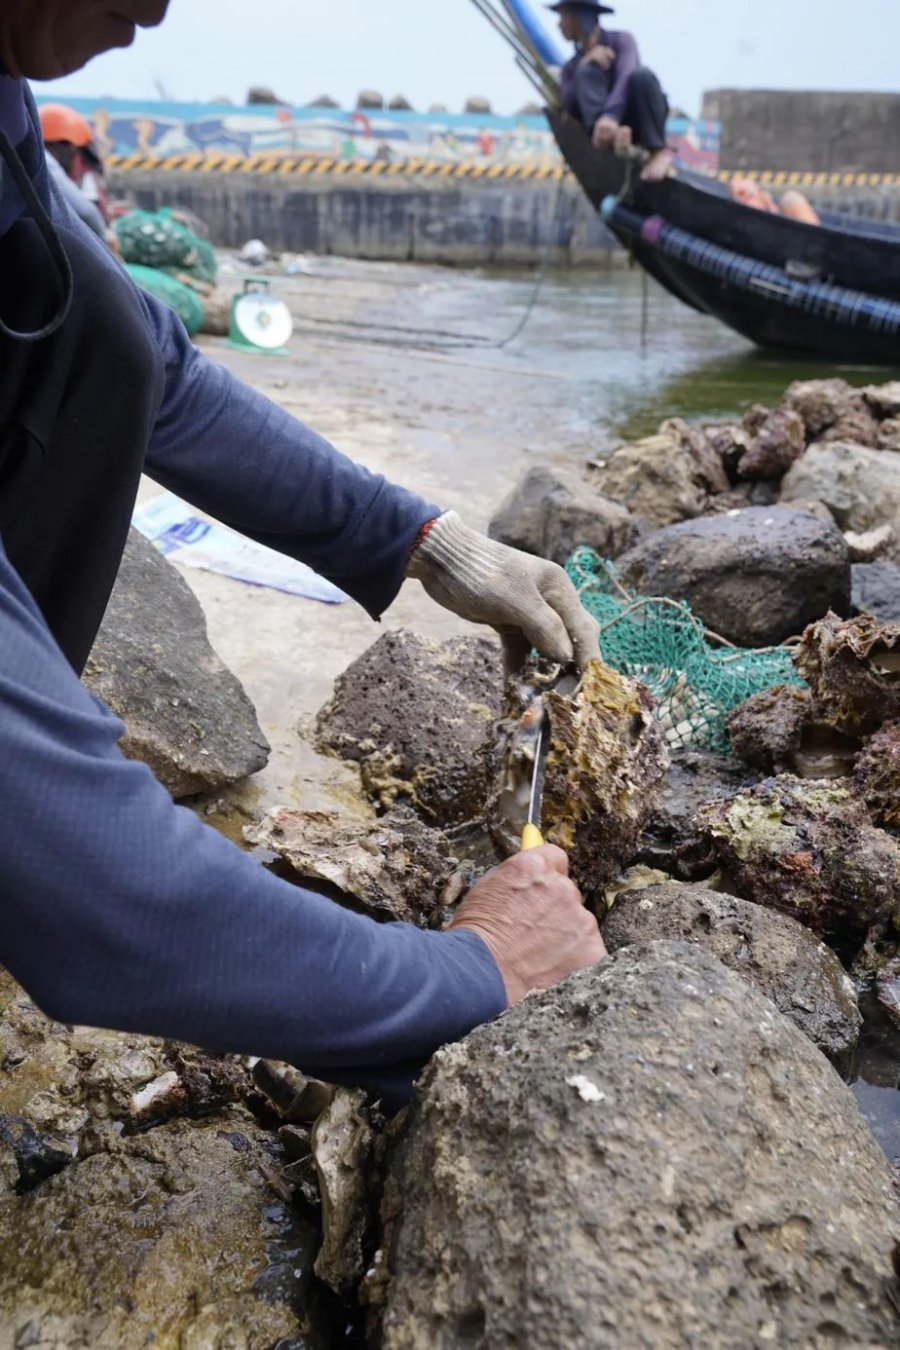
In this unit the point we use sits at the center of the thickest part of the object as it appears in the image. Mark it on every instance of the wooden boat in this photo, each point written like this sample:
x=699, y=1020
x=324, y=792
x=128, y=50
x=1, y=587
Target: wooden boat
x=829, y=290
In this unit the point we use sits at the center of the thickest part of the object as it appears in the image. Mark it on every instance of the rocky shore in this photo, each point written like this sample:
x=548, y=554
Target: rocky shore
x=664, y=1151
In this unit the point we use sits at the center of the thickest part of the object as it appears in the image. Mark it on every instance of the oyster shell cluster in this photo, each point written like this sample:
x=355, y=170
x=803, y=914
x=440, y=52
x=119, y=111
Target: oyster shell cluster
x=606, y=758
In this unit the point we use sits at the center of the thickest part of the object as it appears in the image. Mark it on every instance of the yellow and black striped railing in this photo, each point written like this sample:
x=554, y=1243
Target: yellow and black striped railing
x=294, y=165
x=317, y=165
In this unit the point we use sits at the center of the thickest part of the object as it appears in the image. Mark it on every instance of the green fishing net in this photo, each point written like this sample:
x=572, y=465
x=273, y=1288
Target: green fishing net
x=696, y=683
x=185, y=302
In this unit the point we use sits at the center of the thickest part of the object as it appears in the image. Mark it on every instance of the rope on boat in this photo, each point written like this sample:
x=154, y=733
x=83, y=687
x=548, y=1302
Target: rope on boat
x=856, y=309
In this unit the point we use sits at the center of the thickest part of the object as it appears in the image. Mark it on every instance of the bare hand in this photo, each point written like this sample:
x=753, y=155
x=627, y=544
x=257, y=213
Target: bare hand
x=532, y=918
x=605, y=131
x=601, y=56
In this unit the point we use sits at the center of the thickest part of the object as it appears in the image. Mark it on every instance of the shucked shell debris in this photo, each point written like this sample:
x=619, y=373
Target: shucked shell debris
x=605, y=764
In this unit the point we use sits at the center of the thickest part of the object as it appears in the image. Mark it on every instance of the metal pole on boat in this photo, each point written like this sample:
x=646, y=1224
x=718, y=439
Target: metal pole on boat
x=527, y=58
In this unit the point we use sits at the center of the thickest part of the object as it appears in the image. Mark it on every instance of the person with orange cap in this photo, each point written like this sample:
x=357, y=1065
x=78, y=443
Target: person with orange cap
x=74, y=163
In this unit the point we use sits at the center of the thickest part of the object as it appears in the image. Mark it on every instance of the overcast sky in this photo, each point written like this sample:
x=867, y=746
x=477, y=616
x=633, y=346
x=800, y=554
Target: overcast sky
x=441, y=51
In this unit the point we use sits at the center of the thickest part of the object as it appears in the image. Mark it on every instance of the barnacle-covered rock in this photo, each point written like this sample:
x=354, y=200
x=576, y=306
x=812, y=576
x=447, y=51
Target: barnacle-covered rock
x=781, y=730
x=809, y=850
x=877, y=775
x=853, y=670
x=779, y=441
x=667, y=477
x=395, y=868
x=884, y=399
x=765, y=730
x=889, y=434
x=856, y=425
x=822, y=403
x=604, y=770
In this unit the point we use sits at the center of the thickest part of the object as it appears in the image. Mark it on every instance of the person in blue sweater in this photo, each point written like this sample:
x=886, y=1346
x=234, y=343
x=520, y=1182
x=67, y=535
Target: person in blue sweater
x=117, y=908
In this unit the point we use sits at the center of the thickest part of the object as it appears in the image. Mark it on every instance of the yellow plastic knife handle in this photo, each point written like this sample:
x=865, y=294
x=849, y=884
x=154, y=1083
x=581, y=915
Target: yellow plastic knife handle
x=531, y=838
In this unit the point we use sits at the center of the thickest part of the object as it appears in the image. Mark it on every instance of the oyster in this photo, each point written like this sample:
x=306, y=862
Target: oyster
x=853, y=670
x=396, y=868
x=605, y=762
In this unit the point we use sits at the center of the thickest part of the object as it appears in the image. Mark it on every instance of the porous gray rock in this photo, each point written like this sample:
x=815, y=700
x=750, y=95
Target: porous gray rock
x=554, y=511
x=185, y=713
x=860, y=487
x=755, y=577
x=780, y=958
x=876, y=590
x=415, y=715
x=665, y=478
x=649, y=1157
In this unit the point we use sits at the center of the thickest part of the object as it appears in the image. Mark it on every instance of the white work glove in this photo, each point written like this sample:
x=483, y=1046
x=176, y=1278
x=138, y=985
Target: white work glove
x=529, y=601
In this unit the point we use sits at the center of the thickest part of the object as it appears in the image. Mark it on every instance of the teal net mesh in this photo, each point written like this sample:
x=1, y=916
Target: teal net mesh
x=695, y=681
x=184, y=301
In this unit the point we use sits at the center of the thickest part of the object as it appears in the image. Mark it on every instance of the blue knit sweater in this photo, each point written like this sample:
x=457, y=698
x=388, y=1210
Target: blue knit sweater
x=119, y=909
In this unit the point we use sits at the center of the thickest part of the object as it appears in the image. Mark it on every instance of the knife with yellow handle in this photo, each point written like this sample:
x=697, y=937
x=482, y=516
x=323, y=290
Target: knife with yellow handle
x=531, y=835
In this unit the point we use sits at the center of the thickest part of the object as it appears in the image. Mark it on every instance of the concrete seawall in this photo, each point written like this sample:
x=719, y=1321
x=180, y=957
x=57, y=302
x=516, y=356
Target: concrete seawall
x=410, y=218
x=400, y=218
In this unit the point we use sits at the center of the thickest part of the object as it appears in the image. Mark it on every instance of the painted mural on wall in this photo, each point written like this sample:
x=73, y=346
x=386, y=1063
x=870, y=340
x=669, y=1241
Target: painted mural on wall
x=160, y=129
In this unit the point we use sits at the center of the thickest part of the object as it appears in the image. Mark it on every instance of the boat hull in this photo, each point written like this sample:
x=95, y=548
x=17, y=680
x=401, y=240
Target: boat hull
x=861, y=259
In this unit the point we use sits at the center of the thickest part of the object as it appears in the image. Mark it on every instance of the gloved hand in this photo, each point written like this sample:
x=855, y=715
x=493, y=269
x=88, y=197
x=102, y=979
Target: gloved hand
x=529, y=601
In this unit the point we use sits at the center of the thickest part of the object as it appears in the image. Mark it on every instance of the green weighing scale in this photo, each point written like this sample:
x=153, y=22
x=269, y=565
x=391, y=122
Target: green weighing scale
x=259, y=323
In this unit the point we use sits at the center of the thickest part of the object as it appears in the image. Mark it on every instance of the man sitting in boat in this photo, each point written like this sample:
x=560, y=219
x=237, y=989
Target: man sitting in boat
x=621, y=102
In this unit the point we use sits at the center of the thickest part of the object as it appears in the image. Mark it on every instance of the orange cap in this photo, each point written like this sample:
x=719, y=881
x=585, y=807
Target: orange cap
x=59, y=123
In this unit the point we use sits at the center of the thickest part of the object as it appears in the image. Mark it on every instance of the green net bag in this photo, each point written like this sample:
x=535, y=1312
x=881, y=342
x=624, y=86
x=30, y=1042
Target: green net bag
x=696, y=683
x=185, y=302
x=157, y=239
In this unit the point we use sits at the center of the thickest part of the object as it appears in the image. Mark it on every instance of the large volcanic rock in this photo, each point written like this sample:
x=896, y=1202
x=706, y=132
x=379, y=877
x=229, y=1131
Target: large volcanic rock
x=860, y=487
x=415, y=715
x=553, y=511
x=185, y=714
x=648, y=1156
x=755, y=577
x=780, y=958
